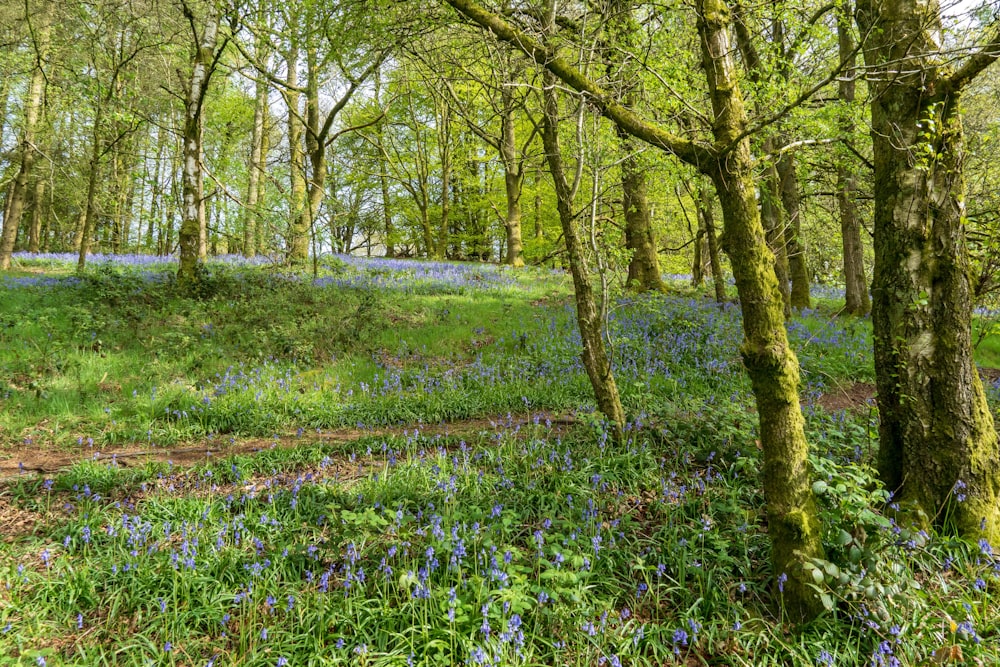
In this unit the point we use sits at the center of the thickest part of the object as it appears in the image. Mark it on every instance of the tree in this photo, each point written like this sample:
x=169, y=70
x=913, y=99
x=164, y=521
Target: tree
x=205, y=56
x=258, y=141
x=42, y=31
x=856, y=298
x=937, y=439
x=588, y=315
x=706, y=226
x=507, y=100
x=622, y=32
x=771, y=364
x=114, y=93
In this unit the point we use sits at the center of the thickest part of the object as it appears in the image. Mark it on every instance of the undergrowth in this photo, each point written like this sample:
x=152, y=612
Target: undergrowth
x=532, y=544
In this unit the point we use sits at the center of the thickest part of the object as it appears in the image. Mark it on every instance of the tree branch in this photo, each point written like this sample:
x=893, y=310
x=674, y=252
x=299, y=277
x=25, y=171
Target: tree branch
x=697, y=154
x=977, y=63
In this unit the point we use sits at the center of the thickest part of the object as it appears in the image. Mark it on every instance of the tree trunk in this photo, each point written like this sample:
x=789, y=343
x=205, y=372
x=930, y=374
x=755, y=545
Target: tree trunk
x=34, y=102
x=315, y=143
x=798, y=270
x=156, y=192
x=705, y=208
x=257, y=166
x=88, y=218
x=774, y=225
x=539, y=228
x=444, y=149
x=595, y=357
x=37, y=214
x=857, y=301
x=513, y=172
x=793, y=522
x=698, y=262
x=192, y=236
x=938, y=446
x=644, y=266
x=383, y=175
x=298, y=232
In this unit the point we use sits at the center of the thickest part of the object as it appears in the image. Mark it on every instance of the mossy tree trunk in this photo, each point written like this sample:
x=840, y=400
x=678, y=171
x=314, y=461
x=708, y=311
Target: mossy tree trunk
x=798, y=268
x=513, y=177
x=793, y=522
x=37, y=214
x=700, y=252
x=857, y=301
x=588, y=315
x=192, y=236
x=707, y=217
x=644, y=266
x=773, y=219
x=938, y=444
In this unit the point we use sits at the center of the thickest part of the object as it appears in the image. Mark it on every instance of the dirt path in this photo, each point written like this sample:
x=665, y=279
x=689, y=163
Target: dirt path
x=27, y=459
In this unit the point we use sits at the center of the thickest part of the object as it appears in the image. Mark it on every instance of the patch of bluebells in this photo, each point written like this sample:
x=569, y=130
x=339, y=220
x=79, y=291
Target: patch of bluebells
x=283, y=557
x=419, y=276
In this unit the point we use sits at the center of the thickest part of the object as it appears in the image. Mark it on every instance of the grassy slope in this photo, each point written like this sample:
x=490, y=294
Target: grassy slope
x=519, y=546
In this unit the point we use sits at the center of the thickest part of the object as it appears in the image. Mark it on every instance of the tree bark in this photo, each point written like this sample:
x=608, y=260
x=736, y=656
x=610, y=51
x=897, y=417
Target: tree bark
x=298, y=230
x=192, y=236
x=644, y=265
x=857, y=301
x=444, y=152
x=698, y=262
x=513, y=172
x=714, y=260
x=938, y=447
x=315, y=143
x=588, y=315
x=37, y=214
x=595, y=357
x=798, y=269
x=771, y=214
x=257, y=166
x=793, y=522
x=34, y=102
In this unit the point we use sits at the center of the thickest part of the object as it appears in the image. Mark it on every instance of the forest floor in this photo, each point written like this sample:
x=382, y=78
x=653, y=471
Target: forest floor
x=20, y=459
x=398, y=462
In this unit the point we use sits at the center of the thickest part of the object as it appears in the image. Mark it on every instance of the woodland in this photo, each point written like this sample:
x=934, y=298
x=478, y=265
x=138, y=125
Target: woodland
x=499, y=332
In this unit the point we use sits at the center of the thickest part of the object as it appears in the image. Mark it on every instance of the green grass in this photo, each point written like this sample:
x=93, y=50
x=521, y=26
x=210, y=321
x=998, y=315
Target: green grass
x=112, y=357
x=524, y=543
x=570, y=551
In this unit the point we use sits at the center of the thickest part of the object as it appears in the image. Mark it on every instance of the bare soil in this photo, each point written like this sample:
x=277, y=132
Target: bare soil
x=34, y=459
x=859, y=396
